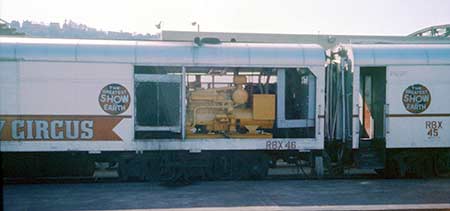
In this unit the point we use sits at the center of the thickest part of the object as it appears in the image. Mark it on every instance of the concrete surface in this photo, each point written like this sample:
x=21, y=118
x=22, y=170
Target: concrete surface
x=234, y=195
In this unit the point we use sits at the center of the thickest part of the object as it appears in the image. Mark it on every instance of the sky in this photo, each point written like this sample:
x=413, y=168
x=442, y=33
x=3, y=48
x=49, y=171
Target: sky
x=357, y=17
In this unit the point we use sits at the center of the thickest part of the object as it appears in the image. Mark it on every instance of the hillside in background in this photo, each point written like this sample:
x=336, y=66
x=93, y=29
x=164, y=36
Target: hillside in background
x=72, y=29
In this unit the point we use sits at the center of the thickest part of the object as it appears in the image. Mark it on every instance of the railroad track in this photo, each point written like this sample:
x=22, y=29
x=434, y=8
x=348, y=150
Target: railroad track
x=91, y=179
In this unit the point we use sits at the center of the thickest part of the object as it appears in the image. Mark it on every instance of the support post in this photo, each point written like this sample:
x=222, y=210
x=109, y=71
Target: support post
x=183, y=103
x=318, y=166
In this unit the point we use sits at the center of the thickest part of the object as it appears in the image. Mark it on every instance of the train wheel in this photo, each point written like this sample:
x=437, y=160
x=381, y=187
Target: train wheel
x=259, y=167
x=220, y=168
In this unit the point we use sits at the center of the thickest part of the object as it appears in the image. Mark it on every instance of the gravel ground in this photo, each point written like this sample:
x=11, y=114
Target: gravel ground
x=233, y=195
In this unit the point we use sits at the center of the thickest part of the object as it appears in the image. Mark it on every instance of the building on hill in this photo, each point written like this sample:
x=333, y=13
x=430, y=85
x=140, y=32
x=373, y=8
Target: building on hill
x=6, y=29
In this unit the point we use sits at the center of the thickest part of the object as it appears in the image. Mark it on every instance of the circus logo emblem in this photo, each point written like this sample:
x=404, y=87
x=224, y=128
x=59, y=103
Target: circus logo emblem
x=114, y=99
x=416, y=98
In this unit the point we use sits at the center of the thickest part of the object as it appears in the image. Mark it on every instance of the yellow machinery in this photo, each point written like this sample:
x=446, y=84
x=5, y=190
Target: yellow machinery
x=225, y=112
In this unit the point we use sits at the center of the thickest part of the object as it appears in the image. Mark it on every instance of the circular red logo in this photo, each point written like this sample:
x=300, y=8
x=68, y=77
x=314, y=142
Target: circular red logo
x=114, y=99
x=416, y=98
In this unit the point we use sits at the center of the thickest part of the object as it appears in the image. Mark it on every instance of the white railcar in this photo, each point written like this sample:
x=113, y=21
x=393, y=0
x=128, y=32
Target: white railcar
x=63, y=95
x=229, y=109
x=396, y=94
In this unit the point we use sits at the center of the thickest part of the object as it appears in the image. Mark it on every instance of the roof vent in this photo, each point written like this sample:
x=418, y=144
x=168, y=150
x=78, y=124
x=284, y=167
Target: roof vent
x=206, y=40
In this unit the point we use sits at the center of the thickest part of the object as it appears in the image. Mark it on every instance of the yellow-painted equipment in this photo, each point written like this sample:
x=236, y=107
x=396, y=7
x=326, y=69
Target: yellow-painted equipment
x=226, y=112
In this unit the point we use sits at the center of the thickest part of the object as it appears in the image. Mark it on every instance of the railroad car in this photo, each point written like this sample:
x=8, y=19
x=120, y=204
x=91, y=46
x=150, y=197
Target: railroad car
x=152, y=109
x=172, y=111
x=388, y=103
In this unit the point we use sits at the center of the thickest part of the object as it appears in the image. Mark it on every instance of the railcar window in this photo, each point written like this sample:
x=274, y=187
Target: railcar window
x=157, y=102
x=296, y=100
x=226, y=102
x=299, y=94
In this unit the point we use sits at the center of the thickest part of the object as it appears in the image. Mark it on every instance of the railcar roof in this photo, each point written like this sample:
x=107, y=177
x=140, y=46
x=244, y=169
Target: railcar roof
x=161, y=52
x=398, y=54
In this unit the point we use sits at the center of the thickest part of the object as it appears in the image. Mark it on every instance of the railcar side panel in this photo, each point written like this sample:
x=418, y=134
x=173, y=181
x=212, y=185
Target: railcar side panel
x=418, y=106
x=66, y=105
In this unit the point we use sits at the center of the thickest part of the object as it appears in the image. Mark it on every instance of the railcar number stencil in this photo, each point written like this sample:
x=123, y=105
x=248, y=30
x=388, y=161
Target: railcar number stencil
x=280, y=145
x=432, y=128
